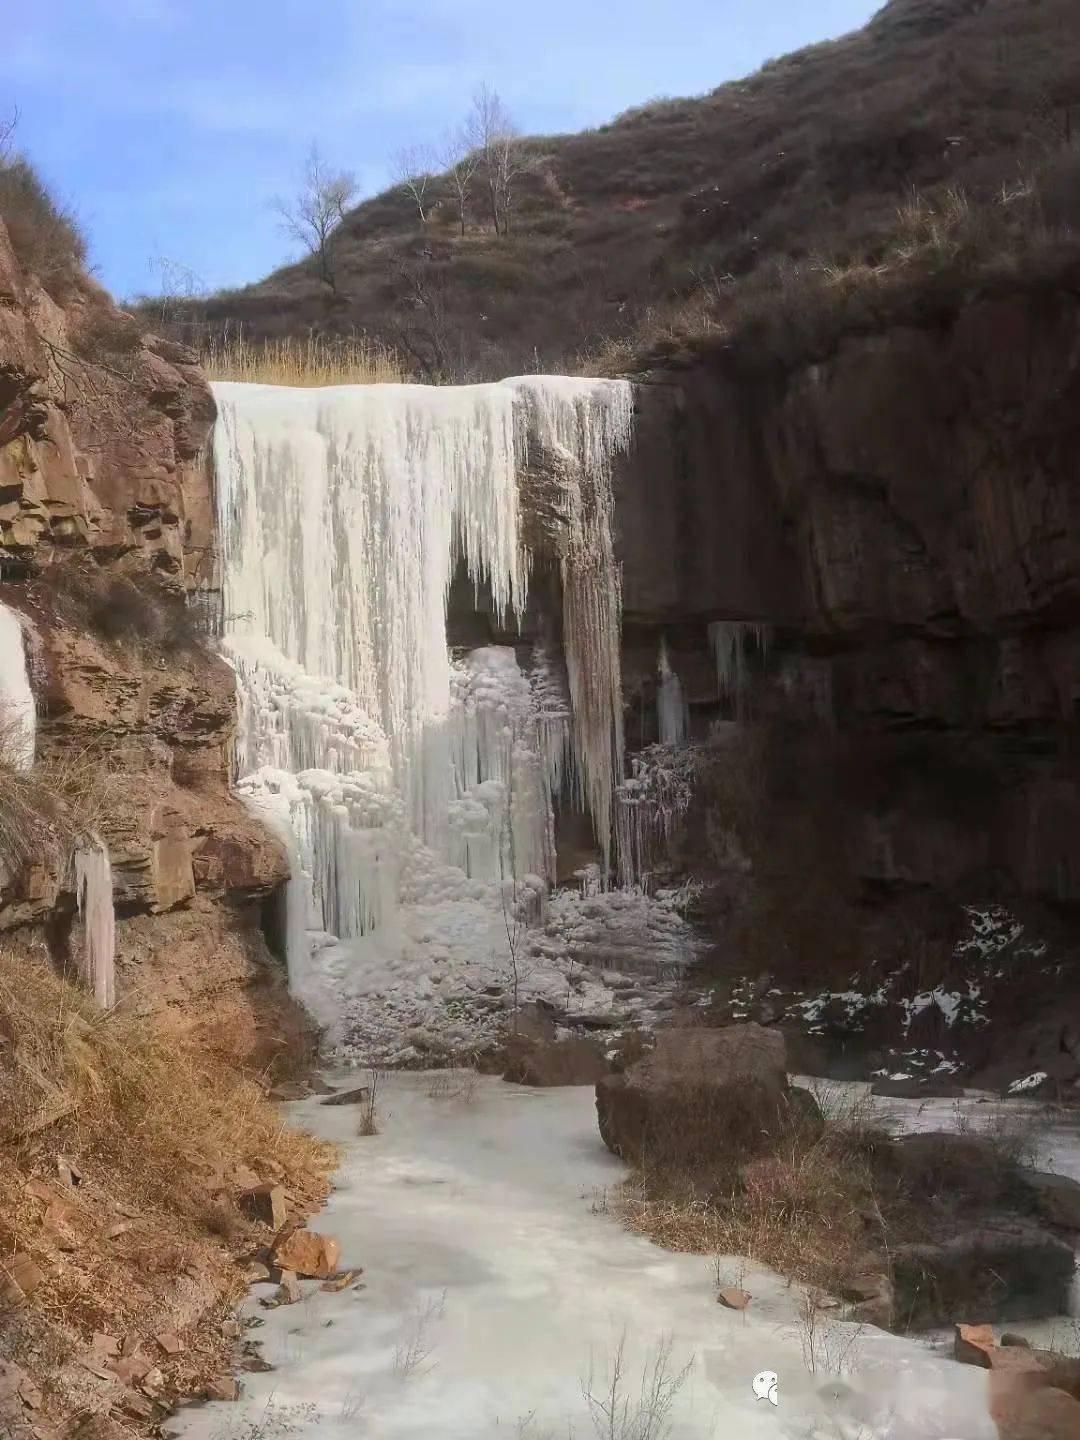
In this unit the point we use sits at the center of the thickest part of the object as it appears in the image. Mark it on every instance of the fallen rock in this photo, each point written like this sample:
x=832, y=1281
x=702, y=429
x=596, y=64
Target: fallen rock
x=170, y=1342
x=288, y=1291
x=306, y=1252
x=255, y=1272
x=1008, y=1338
x=972, y=1344
x=552, y=1063
x=997, y=1269
x=701, y=1097
x=265, y=1204
x=19, y=1277
x=732, y=1298
x=871, y=1294
x=1057, y=1197
x=341, y=1281
x=1024, y=1412
x=356, y=1096
x=223, y=1387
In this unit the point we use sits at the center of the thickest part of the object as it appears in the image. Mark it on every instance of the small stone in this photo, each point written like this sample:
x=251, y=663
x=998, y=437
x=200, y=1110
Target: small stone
x=1010, y=1338
x=356, y=1096
x=170, y=1342
x=137, y=1407
x=224, y=1387
x=120, y=1228
x=103, y=1344
x=341, y=1281
x=732, y=1298
x=289, y=1291
x=264, y=1204
x=973, y=1344
x=131, y=1368
x=23, y=1273
x=306, y=1252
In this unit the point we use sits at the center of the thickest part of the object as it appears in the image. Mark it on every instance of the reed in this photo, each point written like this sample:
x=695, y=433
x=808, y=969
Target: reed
x=312, y=361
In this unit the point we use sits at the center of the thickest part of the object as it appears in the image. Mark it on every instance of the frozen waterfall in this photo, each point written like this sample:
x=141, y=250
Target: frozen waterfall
x=395, y=773
x=94, y=893
x=671, y=708
x=17, y=715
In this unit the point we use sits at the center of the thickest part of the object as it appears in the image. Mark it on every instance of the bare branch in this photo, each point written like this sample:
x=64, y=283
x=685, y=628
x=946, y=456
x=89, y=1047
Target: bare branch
x=459, y=160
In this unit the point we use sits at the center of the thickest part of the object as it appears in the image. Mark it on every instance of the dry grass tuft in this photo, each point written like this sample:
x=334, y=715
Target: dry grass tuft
x=802, y=1209
x=154, y=1125
x=314, y=361
x=47, y=809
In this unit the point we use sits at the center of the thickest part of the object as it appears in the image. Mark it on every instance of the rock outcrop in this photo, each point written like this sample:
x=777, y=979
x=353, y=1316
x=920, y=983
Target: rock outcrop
x=703, y=1097
x=106, y=551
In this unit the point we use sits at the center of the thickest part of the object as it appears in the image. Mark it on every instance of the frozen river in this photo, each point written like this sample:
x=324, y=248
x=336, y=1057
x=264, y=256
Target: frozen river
x=499, y=1291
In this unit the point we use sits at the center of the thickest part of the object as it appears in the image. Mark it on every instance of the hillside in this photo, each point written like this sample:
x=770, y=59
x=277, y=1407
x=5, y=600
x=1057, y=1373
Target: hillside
x=684, y=201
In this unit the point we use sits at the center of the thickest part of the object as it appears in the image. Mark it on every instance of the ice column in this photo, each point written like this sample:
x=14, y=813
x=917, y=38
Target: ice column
x=17, y=715
x=670, y=704
x=94, y=893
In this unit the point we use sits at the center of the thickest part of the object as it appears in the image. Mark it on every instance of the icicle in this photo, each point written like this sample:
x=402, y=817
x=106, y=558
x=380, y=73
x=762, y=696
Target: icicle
x=728, y=640
x=671, y=707
x=94, y=895
x=586, y=424
x=18, y=720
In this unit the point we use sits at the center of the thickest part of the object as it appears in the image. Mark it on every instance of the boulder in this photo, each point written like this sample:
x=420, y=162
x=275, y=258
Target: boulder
x=973, y=1344
x=871, y=1297
x=551, y=1063
x=306, y=1252
x=732, y=1298
x=703, y=1097
x=223, y=1387
x=1000, y=1268
x=355, y=1096
x=264, y=1204
x=1056, y=1197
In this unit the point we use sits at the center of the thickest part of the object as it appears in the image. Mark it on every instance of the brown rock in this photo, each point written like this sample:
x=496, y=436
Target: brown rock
x=103, y=1344
x=701, y=1097
x=131, y=1368
x=1057, y=1197
x=306, y=1252
x=1009, y=1338
x=356, y=1096
x=170, y=1342
x=22, y=1273
x=733, y=1298
x=256, y=1272
x=264, y=1204
x=973, y=1344
x=341, y=1281
x=224, y=1387
x=548, y=1064
x=1024, y=1413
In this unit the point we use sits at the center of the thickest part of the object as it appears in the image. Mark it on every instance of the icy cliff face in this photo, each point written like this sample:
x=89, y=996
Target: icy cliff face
x=395, y=773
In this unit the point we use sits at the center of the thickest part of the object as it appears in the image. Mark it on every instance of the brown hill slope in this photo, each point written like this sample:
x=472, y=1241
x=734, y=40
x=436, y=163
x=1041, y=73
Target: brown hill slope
x=811, y=156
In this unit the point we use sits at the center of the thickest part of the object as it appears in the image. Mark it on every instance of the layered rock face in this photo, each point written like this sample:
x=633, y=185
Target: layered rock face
x=905, y=517
x=105, y=528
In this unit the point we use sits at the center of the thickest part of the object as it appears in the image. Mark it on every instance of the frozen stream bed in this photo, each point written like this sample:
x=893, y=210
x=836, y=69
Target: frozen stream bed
x=495, y=1282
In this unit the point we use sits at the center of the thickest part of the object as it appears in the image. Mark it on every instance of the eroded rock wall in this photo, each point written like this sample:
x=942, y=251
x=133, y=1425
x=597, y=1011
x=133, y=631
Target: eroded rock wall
x=105, y=528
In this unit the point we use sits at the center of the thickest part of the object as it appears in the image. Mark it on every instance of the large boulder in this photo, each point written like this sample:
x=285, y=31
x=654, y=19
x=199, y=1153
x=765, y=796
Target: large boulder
x=996, y=1269
x=703, y=1097
x=552, y=1063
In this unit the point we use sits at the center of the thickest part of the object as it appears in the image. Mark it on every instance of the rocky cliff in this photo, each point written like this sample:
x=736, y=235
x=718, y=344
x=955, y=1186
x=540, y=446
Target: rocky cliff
x=905, y=517
x=105, y=539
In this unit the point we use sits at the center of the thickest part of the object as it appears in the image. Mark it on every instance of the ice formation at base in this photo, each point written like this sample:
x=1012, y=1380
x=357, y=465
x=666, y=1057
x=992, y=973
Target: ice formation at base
x=415, y=791
x=94, y=893
x=18, y=724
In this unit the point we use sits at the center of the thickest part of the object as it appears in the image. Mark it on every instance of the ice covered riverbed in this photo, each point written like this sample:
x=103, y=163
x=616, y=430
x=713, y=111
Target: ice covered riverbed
x=496, y=1282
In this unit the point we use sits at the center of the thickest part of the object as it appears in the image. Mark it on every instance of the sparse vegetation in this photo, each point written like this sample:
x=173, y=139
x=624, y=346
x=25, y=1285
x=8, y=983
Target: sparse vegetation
x=369, y=1113
x=622, y=1410
x=44, y=233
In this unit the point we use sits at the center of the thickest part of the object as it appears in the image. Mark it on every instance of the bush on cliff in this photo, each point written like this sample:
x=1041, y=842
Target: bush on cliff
x=44, y=233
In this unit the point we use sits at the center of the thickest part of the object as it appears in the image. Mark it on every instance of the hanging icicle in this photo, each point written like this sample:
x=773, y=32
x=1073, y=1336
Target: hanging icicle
x=18, y=719
x=729, y=641
x=671, y=708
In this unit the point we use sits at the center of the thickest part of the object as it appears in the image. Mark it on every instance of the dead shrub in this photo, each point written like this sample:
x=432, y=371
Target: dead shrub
x=127, y=610
x=44, y=234
x=806, y=1207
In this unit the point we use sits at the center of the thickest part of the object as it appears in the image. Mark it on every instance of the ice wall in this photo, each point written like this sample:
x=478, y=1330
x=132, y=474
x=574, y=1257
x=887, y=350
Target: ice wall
x=94, y=892
x=18, y=724
x=342, y=514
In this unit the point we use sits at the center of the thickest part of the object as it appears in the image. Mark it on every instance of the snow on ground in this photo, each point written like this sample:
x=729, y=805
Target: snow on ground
x=495, y=1282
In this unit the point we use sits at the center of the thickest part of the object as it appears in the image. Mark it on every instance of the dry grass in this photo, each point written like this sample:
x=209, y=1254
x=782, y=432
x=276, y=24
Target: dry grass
x=47, y=809
x=800, y=1209
x=314, y=361
x=44, y=234
x=154, y=1127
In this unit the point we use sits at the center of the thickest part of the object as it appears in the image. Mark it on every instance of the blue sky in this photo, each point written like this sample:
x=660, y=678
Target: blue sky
x=170, y=125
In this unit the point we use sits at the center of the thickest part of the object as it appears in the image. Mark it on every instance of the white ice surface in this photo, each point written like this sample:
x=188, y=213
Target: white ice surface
x=477, y=1224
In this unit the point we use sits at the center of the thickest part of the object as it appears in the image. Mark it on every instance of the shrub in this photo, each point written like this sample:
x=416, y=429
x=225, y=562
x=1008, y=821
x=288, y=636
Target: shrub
x=44, y=234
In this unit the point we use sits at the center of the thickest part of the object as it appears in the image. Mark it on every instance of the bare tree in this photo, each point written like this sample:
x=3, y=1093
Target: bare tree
x=412, y=171
x=503, y=154
x=7, y=130
x=459, y=159
x=317, y=209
